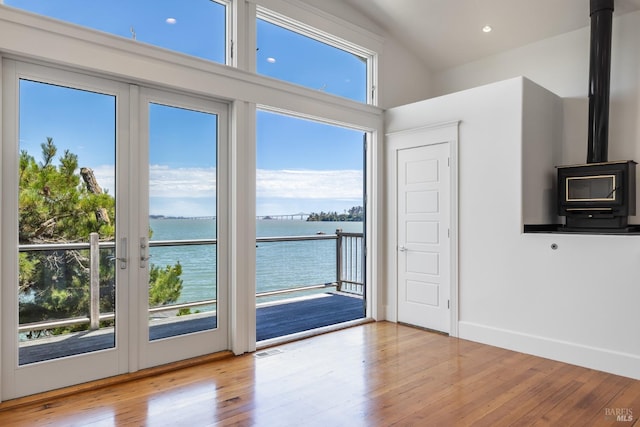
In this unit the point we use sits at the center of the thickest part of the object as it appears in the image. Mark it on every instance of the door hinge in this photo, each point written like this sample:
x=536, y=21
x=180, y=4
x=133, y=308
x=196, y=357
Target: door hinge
x=448, y=161
x=448, y=303
x=448, y=232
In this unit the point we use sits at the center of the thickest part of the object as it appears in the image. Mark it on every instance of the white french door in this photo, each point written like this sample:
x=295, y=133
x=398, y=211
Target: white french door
x=181, y=225
x=85, y=161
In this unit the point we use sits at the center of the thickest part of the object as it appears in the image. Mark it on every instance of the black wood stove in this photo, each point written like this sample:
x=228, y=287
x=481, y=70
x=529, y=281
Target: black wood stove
x=598, y=195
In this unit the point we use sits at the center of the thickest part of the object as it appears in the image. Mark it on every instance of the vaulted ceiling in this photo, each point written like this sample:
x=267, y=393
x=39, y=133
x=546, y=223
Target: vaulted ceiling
x=447, y=33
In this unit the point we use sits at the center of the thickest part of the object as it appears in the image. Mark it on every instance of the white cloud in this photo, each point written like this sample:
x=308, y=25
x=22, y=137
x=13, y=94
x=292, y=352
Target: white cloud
x=197, y=183
x=167, y=182
x=309, y=184
x=182, y=182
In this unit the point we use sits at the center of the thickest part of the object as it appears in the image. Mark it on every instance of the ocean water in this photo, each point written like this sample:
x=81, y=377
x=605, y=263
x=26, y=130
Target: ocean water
x=279, y=265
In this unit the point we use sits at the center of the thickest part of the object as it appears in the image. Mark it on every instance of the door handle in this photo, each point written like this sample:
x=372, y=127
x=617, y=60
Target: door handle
x=123, y=253
x=143, y=252
x=402, y=249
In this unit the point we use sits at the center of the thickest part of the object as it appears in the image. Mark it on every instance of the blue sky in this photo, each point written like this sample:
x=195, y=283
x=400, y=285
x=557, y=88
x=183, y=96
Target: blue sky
x=302, y=166
x=287, y=55
x=197, y=30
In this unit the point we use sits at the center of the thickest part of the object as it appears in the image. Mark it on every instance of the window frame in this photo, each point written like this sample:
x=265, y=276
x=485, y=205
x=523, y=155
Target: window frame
x=291, y=24
x=36, y=39
x=229, y=21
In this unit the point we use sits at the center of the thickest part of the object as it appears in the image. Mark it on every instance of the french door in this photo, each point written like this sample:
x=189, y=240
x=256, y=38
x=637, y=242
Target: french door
x=181, y=227
x=113, y=258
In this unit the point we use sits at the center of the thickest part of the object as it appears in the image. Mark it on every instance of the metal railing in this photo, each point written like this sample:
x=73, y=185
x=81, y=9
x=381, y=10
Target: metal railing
x=350, y=259
x=349, y=273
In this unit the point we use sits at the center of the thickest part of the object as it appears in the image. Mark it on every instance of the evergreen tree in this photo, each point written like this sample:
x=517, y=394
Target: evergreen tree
x=355, y=213
x=54, y=207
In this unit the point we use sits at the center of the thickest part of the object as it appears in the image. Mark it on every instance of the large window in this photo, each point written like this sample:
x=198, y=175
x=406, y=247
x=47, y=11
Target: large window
x=299, y=55
x=128, y=162
x=196, y=27
x=310, y=225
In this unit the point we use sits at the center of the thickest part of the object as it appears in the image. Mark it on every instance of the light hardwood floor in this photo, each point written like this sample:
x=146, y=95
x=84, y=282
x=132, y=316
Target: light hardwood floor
x=377, y=374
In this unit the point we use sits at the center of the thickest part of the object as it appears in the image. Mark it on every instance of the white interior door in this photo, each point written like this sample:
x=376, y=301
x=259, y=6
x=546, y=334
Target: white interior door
x=423, y=215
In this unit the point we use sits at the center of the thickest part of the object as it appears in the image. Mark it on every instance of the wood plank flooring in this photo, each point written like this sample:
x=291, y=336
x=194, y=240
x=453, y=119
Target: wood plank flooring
x=377, y=374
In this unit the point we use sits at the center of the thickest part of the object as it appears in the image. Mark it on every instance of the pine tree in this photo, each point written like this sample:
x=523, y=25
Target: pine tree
x=55, y=207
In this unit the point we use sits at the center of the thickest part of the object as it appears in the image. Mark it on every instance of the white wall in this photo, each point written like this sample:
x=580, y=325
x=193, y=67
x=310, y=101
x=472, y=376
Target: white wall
x=577, y=304
x=561, y=64
x=403, y=78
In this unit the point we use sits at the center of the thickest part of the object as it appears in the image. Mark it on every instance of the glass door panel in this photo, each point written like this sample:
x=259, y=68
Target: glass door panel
x=67, y=222
x=182, y=221
x=64, y=265
x=180, y=255
x=310, y=227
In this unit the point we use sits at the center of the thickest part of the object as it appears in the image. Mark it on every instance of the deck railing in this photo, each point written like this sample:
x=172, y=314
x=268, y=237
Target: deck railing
x=350, y=253
x=349, y=274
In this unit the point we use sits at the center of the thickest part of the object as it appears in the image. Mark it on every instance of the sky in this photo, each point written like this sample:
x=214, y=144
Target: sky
x=302, y=166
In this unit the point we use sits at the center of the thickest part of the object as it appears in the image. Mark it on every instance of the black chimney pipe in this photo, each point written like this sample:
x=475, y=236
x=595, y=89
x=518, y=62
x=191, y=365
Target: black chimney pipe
x=599, y=79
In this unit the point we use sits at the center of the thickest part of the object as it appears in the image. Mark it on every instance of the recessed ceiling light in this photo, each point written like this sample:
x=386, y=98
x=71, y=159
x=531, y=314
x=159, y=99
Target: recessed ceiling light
x=486, y=29
x=271, y=60
x=170, y=20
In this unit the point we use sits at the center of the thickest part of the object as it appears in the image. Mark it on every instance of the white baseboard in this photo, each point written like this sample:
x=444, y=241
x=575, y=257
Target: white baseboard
x=601, y=359
x=388, y=314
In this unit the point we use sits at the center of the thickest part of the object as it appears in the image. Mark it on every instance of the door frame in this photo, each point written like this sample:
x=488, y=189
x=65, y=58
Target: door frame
x=415, y=137
x=129, y=354
x=19, y=380
x=181, y=347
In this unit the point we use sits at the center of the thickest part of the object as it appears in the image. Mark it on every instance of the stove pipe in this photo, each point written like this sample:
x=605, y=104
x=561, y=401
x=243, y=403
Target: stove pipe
x=599, y=78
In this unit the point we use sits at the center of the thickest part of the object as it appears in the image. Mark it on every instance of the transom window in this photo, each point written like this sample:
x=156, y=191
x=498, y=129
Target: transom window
x=198, y=29
x=298, y=54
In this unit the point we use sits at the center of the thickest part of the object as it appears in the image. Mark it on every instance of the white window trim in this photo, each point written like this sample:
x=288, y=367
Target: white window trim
x=368, y=55
x=315, y=18
x=229, y=26
x=230, y=29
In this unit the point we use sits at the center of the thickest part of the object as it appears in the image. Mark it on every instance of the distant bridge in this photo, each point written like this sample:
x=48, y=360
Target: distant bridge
x=300, y=215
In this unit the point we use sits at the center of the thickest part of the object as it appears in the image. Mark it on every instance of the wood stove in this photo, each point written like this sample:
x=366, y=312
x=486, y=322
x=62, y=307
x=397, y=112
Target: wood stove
x=599, y=195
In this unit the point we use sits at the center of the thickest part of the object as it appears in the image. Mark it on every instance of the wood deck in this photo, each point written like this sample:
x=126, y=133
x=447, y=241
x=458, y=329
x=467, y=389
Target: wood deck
x=376, y=374
x=273, y=320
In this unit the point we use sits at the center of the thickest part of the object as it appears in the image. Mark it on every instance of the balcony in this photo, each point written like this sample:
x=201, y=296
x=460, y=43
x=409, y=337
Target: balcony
x=280, y=312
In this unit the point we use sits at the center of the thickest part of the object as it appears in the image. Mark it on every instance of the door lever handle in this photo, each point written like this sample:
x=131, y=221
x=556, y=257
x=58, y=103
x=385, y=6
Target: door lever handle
x=123, y=253
x=143, y=252
x=402, y=249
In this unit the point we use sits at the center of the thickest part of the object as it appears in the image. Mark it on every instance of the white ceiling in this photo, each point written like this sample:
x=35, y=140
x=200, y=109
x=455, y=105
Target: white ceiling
x=447, y=33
